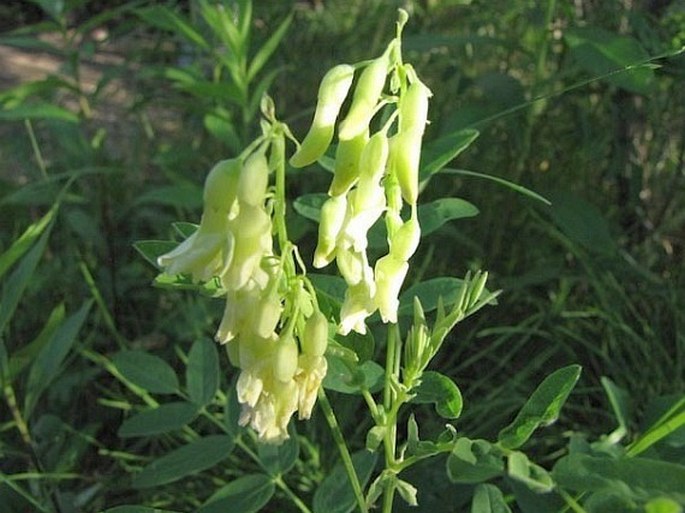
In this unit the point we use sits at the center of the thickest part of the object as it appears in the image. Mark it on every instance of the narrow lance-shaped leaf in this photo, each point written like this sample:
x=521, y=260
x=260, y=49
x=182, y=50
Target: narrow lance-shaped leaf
x=19, y=280
x=48, y=362
x=25, y=240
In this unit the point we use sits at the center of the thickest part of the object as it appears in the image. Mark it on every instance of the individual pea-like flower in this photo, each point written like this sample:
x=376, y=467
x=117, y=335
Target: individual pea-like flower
x=266, y=386
x=209, y=250
x=357, y=306
x=390, y=273
x=310, y=373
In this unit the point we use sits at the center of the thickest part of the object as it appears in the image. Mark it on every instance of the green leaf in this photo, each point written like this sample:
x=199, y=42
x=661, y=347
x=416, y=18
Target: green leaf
x=267, y=49
x=309, y=205
x=620, y=404
x=279, y=459
x=428, y=293
x=202, y=372
x=600, y=52
x=232, y=412
x=165, y=19
x=488, y=498
x=150, y=250
x=353, y=378
x=38, y=111
x=49, y=360
x=637, y=478
x=185, y=461
x=474, y=461
x=247, y=494
x=23, y=356
x=19, y=280
x=146, y=371
x=542, y=408
x=440, y=390
x=442, y=151
x=25, y=240
x=533, y=476
x=162, y=419
x=436, y=213
x=187, y=196
x=137, y=509
x=581, y=222
x=506, y=183
x=335, y=494
x=662, y=505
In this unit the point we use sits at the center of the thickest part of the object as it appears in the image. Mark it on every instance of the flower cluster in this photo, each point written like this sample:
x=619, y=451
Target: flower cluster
x=271, y=325
x=373, y=176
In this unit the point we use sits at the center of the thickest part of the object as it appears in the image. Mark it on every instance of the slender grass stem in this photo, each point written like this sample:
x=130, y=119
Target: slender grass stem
x=344, y=451
x=36, y=148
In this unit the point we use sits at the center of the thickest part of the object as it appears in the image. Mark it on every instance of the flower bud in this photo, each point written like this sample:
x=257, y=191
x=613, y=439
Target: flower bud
x=414, y=108
x=332, y=92
x=267, y=315
x=221, y=185
x=366, y=95
x=254, y=179
x=331, y=222
x=406, y=159
x=315, y=337
x=406, y=240
x=347, y=156
x=390, y=274
x=371, y=166
x=285, y=359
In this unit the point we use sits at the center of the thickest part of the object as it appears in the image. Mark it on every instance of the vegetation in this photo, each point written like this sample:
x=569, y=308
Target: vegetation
x=554, y=158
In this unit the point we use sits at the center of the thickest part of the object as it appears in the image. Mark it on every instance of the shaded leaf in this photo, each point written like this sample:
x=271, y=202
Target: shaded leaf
x=38, y=111
x=185, y=461
x=335, y=494
x=436, y=213
x=309, y=205
x=247, y=494
x=428, y=293
x=19, y=279
x=150, y=250
x=437, y=154
x=279, y=459
x=639, y=478
x=353, y=378
x=146, y=371
x=166, y=417
x=440, y=390
x=474, y=461
x=49, y=360
x=22, y=244
x=542, y=408
x=599, y=52
x=268, y=49
x=202, y=372
x=488, y=498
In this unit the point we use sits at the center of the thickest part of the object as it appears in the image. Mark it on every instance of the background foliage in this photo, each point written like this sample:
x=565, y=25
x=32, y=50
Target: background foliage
x=113, y=143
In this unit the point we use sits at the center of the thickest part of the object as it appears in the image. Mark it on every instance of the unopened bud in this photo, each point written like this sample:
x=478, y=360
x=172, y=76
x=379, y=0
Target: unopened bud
x=315, y=337
x=254, y=178
x=347, y=157
x=414, y=108
x=285, y=359
x=331, y=222
x=221, y=185
x=366, y=95
x=332, y=92
x=406, y=240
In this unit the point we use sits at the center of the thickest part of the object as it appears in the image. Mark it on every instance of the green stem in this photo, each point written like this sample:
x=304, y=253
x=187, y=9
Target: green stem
x=36, y=149
x=344, y=451
x=291, y=495
x=390, y=403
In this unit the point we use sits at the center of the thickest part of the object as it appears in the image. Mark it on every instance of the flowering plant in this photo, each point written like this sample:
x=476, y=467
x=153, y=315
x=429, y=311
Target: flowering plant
x=289, y=345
